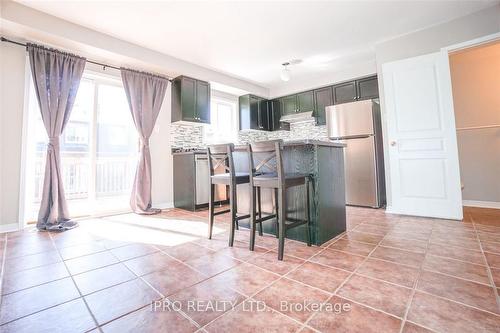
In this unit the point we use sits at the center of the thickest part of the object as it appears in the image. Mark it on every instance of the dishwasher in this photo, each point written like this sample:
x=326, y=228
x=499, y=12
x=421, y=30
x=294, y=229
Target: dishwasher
x=202, y=190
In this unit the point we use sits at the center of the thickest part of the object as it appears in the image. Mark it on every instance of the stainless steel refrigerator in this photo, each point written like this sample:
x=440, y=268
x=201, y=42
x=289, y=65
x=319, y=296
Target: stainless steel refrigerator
x=358, y=125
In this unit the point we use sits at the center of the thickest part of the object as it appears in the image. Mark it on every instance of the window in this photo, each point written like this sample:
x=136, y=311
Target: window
x=223, y=126
x=99, y=148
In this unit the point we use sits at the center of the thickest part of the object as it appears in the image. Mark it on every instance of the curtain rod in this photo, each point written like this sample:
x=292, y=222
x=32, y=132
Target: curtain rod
x=3, y=39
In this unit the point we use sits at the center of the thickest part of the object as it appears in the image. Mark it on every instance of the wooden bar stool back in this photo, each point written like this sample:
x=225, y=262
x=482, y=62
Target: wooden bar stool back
x=221, y=155
x=268, y=172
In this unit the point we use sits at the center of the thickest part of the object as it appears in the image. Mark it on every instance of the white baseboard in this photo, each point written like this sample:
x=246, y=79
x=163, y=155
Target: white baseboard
x=9, y=227
x=164, y=205
x=481, y=204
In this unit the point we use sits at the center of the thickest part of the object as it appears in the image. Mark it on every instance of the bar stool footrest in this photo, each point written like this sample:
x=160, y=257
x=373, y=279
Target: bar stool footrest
x=265, y=218
x=221, y=212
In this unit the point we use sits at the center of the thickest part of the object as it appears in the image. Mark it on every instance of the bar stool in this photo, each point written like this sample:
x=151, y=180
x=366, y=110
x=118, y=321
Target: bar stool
x=275, y=178
x=221, y=155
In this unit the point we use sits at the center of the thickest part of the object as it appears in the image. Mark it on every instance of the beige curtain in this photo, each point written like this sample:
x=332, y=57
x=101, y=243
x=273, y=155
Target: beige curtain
x=56, y=76
x=145, y=94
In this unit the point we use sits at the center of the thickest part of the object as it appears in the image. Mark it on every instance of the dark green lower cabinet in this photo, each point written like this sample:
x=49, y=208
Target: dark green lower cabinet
x=323, y=97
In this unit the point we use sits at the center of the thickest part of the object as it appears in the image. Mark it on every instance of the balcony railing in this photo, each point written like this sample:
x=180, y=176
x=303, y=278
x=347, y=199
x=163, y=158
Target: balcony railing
x=113, y=175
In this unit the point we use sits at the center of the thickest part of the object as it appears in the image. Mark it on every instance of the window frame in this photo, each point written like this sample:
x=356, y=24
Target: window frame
x=209, y=130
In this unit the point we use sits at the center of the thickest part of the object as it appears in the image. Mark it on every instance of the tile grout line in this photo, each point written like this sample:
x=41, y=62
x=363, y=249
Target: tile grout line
x=149, y=285
x=2, y=267
x=410, y=288
x=488, y=267
x=414, y=289
x=335, y=293
x=280, y=277
x=305, y=260
x=52, y=306
x=76, y=286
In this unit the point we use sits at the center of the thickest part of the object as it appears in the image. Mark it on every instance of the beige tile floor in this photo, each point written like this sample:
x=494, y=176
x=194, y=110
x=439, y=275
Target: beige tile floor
x=387, y=273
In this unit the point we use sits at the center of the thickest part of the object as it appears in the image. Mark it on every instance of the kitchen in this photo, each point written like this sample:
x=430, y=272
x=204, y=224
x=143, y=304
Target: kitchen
x=305, y=116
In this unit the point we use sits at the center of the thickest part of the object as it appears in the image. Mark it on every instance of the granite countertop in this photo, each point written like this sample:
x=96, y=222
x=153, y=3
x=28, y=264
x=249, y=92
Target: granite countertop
x=198, y=151
x=241, y=147
x=315, y=143
x=302, y=143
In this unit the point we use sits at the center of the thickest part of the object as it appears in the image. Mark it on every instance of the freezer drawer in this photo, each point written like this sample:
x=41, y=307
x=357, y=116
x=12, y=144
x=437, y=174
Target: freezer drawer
x=361, y=172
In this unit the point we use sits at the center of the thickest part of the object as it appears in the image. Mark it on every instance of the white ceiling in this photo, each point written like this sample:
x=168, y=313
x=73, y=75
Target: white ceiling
x=250, y=40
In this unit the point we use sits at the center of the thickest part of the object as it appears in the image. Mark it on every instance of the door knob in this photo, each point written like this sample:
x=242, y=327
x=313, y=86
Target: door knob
x=393, y=143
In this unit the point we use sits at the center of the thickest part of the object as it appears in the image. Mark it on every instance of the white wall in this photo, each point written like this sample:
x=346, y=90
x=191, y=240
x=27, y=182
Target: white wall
x=426, y=41
x=12, y=69
x=161, y=157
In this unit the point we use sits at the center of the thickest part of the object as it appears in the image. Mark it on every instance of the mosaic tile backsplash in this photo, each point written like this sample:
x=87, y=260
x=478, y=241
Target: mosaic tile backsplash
x=186, y=136
x=191, y=136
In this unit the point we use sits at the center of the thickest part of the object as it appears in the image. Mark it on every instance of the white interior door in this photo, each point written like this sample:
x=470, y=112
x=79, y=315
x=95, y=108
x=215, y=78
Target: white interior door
x=423, y=154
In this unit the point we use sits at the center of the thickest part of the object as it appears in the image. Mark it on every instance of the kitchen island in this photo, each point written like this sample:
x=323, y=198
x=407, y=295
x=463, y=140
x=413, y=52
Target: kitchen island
x=325, y=162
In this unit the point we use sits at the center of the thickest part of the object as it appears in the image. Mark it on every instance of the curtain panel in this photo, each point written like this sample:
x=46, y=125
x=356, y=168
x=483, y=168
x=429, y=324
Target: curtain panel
x=145, y=94
x=56, y=76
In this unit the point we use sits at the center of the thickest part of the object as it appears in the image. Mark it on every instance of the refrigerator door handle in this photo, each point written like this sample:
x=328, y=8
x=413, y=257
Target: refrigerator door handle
x=362, y=136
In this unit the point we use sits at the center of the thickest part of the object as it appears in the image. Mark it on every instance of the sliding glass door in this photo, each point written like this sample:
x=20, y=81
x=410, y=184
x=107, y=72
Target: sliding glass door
x=98, y=150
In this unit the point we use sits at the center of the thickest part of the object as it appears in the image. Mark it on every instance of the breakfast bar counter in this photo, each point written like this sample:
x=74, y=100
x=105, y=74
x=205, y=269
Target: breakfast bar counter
x=325, y=162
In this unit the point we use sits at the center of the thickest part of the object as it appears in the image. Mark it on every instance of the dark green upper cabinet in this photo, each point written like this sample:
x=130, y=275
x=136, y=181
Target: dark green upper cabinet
x=367, y=88
x=190, y=100
x=249, y=112
x=302, y=102
x=345, y=92
x=274, y=107
x=322, y=98
x=261, y=114
x=288, y=105
x=254, y=113
x=305, y=101
x=203, y=101
x=264, y=121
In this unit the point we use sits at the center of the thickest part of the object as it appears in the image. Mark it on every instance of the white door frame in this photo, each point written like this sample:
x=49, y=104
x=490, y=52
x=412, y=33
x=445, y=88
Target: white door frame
x=471, y=43
x=462, y=46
